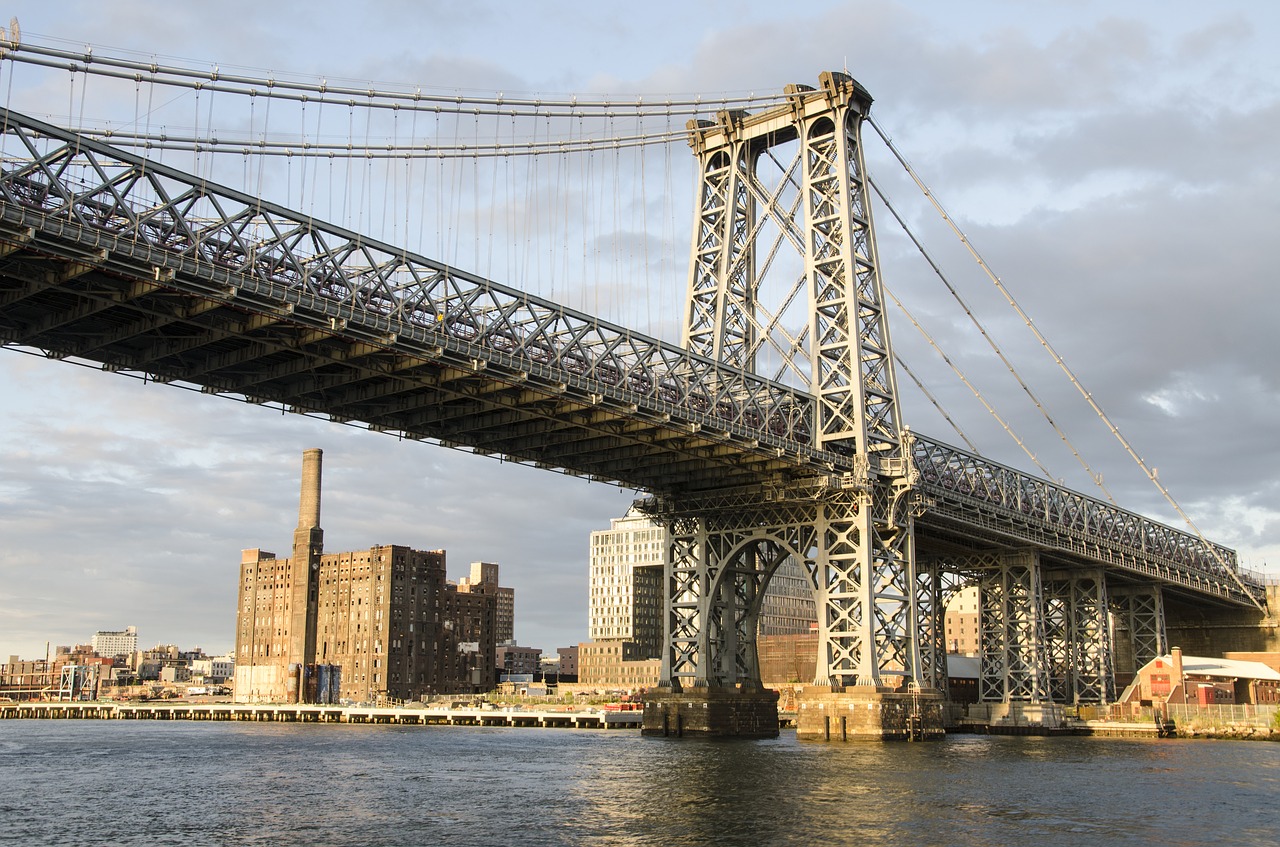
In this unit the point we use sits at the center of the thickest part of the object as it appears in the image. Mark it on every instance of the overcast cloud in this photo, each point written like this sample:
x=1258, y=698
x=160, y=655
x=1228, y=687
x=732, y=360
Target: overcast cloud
x=1114, y=163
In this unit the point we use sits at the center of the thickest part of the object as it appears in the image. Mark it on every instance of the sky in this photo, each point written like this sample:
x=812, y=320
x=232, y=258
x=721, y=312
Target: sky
x=1114, y=164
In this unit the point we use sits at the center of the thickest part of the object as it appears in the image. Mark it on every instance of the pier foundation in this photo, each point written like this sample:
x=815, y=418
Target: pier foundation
x=868, y=713
x=711, y=712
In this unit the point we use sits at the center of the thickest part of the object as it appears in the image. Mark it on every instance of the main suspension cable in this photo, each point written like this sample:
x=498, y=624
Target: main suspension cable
x=1044, y=342
x=991, y=342
x=86, y=61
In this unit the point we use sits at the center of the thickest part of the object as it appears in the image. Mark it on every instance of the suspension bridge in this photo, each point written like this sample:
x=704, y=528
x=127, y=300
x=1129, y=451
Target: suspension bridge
x=754, y=441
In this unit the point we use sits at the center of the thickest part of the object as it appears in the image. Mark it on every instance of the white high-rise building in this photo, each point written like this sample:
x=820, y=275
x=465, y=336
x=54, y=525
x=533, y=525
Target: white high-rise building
x=115, y=643
x=626, y=584
x=626, y=589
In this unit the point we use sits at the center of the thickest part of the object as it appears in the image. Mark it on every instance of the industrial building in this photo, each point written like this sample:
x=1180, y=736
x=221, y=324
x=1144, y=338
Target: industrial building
x=1176, y=679
x=363, y=626
x=484, y=580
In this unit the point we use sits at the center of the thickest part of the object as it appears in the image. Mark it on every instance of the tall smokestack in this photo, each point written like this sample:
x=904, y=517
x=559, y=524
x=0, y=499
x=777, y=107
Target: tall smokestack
x=309, y=503
x=308, y=547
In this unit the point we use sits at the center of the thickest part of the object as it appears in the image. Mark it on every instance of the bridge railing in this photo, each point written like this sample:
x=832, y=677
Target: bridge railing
x=1033, y=501
x=81, y=183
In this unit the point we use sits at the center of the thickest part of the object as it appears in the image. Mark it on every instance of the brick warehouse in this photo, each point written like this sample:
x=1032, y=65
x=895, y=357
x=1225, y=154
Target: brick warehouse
x=361, y=626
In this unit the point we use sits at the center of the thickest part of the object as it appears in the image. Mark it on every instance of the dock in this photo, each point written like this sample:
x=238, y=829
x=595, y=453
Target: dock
x=585, y=718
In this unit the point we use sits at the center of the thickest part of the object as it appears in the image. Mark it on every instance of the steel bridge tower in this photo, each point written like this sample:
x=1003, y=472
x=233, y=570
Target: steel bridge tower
x=783, y=195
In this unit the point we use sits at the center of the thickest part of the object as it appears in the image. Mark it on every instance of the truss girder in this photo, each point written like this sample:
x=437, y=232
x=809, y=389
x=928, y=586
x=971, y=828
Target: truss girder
x=148, y=270
x=109, y=197
x=971, y=489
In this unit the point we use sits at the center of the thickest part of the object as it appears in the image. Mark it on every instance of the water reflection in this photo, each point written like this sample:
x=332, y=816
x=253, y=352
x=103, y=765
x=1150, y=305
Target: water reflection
x=262, y=784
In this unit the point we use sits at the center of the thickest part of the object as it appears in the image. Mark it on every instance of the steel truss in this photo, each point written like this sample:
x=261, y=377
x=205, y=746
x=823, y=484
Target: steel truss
x=1011, y=631
x=1044, y=635
x=1139, y=611
x=193, y=253
x=150, y=271
x=1078, y=637
x=818, y=205
x=720, y=564
x=996, y=501
x=935, y=588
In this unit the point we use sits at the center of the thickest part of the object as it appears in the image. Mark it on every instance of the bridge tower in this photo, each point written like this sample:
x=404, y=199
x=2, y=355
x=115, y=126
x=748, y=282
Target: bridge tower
x=784, y=226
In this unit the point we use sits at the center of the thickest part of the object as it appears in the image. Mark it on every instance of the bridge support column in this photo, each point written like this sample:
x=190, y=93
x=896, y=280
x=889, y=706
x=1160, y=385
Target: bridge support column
x=1140, y=627
x=1078, y=638
x=869, y=713
x=715, y=575
x=1014, y=674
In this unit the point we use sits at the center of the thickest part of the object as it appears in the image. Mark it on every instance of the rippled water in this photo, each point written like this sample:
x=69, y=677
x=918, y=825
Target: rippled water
x=125, y=782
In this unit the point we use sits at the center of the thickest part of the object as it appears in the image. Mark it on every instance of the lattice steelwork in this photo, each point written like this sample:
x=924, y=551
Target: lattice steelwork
x=819, y=206
x=1078, y=638
x=935, y=587
x=1140, y=611
x=106, y=257
x=991, y=500
x=1011, y=631
x=720, y=564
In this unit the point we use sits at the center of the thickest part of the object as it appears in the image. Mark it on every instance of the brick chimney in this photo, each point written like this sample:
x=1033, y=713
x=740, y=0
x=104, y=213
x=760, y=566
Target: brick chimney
x=308, y=546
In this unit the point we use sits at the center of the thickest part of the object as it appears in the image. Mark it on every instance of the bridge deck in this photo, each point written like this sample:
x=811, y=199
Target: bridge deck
x=111, y=259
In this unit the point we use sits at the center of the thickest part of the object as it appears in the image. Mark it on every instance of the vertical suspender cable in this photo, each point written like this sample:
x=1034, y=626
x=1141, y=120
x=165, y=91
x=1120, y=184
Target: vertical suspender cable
x=982, y=330
x=1044, y=342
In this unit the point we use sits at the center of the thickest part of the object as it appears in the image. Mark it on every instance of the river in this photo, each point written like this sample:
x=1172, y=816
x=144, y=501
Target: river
x=153, y=783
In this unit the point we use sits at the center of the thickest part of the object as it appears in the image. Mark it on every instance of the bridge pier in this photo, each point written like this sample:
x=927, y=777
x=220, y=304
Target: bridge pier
x=711, y=712
x=869, y=713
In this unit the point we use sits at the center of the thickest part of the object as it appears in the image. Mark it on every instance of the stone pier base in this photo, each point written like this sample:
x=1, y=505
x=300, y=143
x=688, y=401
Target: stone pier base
x=711, y=712
x=868, y=713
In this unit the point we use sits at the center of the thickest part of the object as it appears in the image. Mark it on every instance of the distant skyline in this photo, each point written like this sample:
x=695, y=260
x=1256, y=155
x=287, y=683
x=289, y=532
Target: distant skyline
x=1115, y=165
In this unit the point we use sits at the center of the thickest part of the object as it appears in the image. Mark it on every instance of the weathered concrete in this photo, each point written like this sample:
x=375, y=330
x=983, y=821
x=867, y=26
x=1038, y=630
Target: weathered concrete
x=711, y=712
x=869, y=713
x=1210, y=631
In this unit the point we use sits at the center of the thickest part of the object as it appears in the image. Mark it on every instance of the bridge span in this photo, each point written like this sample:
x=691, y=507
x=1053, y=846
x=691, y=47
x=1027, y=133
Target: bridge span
x=144, y=270
x=108, y=258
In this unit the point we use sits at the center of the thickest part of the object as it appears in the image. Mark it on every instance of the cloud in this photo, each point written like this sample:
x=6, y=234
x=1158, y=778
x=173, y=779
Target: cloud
x=1115, y=168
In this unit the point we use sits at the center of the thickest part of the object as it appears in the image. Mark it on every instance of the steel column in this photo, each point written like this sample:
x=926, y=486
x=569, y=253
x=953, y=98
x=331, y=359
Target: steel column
x=1078, y=638
x=1011, y=631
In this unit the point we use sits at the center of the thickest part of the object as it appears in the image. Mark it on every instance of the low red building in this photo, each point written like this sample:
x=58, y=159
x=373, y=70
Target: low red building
x=1197, y=680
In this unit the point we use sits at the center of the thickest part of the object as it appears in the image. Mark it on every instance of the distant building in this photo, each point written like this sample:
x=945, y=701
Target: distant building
x=484, y=580
x=961, y=622
x=361, y=626
x=568, y=669
x=612, y=665
x=28, y=679
x=468, y=644
x=112, y=643
x=513, y=660
x=788, y=659
x=1198, y=680
x=214, y=669
x=625, y=584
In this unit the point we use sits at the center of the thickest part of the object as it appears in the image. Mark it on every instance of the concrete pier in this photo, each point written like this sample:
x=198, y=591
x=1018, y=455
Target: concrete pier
x=868, y=713
x=711, y=712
